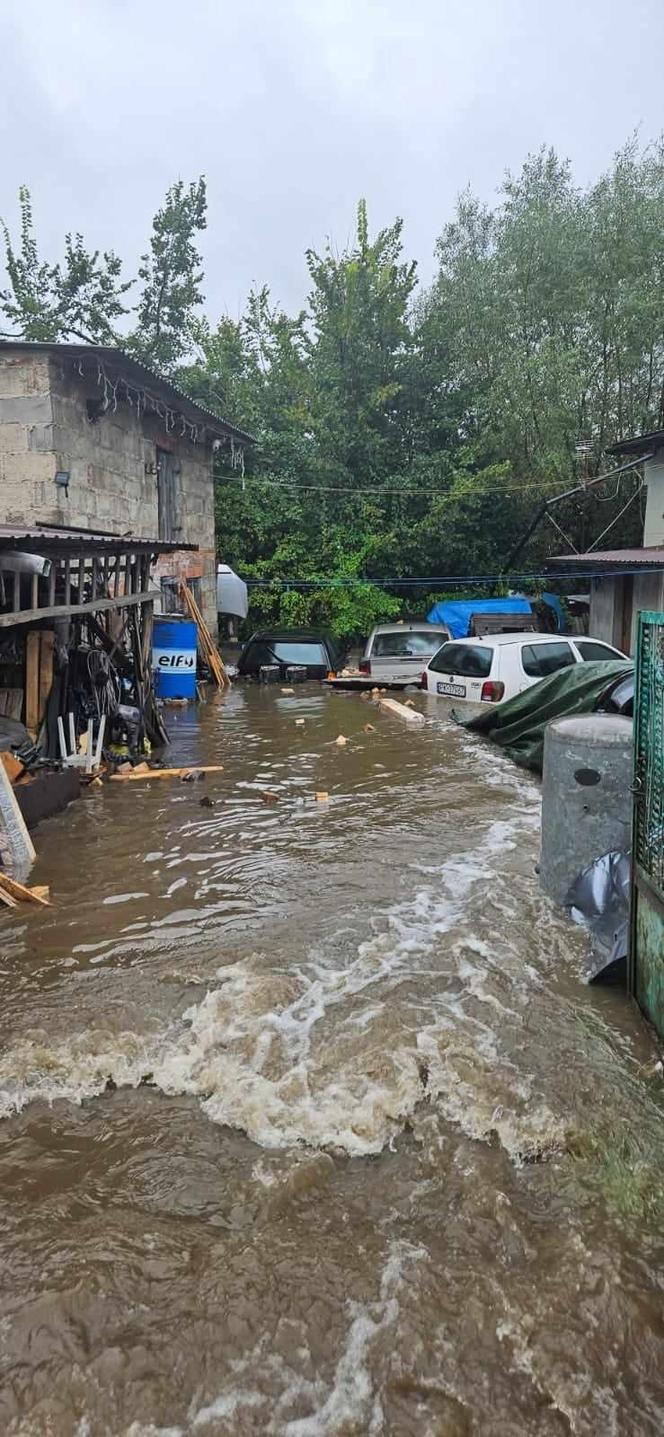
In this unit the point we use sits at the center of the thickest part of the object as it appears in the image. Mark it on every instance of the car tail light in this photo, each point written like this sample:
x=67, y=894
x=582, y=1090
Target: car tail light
x=365, y=666
x=423, y=679
x=492, y=691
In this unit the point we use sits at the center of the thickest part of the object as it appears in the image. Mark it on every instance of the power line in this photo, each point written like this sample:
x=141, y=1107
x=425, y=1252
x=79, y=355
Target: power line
x=398, y=493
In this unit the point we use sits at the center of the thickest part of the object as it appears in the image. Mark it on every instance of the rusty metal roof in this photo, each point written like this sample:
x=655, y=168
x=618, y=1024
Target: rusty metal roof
x=639, y=444
x=126, y=365
x=42, y=538
x=609, y=560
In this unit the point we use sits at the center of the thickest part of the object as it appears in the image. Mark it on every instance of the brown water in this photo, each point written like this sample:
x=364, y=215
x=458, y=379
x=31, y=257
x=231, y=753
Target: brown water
x=355, y=1193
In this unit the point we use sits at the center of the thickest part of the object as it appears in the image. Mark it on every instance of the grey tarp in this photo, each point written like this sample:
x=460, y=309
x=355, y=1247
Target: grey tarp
x=518, y=725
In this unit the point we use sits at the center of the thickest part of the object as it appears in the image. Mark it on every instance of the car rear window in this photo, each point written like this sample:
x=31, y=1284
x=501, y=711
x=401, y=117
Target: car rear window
x=409, y=644
x=302, y=653
x=592, y=652
x=266, y=651
x=540, y=660
x=473, y=661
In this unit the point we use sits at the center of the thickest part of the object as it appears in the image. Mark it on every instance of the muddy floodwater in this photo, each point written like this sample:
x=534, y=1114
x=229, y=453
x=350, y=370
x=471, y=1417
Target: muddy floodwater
x=310, y=1125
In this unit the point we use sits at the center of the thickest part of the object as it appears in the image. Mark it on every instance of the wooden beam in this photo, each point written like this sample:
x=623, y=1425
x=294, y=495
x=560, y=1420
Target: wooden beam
x=62, y=611
x=31, y=681
x=45, y=670
x=392, y=706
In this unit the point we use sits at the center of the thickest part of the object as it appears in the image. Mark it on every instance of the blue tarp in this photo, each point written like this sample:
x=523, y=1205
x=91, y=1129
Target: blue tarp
x=457, y=613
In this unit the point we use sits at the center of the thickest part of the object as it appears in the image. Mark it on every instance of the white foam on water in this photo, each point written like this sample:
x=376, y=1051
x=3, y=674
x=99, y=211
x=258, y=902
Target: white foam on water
x=292, y=1057
x=350, y=1402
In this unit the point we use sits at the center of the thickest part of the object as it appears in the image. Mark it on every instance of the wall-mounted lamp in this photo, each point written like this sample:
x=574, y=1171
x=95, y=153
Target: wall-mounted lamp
x=62, y=480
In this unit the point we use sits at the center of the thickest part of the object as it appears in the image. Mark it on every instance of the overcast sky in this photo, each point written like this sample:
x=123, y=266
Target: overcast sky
x=295, y=108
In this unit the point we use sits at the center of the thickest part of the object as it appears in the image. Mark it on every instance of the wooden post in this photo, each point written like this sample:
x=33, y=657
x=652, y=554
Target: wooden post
x=51, y=583
x=46, y=648
x=32, y=682
x=34, y=601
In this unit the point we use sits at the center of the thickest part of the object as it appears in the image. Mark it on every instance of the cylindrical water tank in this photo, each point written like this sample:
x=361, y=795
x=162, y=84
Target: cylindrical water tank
x=586, y=799
x=174, y=657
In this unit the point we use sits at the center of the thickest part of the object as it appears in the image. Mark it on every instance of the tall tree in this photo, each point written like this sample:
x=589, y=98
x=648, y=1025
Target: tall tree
x=172, y=277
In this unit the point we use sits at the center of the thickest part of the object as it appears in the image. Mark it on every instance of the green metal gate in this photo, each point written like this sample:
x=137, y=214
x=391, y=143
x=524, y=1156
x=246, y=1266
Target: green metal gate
x=646, y=966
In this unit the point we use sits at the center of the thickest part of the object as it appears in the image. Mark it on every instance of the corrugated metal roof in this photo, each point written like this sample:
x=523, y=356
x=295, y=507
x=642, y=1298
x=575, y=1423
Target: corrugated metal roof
x=639, y=444
x=606, y=559
x=218, y=427
x=37, y=539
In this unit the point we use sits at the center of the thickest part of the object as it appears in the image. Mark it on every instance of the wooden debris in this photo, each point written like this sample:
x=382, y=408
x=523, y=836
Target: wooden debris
x=40, y=890
x=341, y=741
x=399, y=710
x=369, y=728
x=269, y=797
x=32, y=682
x=288, y=691
x=176, y=703
x=206, y=642
x=7, y=899
x=299, y=723
x=321, y=797
x=12, y=766
x=20, y=893
x=135, y=775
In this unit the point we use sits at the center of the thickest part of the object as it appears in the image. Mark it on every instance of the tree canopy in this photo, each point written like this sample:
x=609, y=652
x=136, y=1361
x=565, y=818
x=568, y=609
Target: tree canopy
x=401, y=434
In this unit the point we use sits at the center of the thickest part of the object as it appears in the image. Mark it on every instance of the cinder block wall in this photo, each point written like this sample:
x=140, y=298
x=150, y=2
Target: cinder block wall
x=44, y=427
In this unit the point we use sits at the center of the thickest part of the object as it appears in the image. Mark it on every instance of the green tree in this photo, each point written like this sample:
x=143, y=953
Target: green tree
x=80, y=298
x=172, y=278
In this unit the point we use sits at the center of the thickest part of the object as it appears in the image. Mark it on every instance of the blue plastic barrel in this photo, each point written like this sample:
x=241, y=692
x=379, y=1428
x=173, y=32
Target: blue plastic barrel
x=174, y=657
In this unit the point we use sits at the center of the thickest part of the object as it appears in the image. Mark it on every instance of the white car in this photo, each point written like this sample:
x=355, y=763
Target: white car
x=494, y=669
x=397, y=653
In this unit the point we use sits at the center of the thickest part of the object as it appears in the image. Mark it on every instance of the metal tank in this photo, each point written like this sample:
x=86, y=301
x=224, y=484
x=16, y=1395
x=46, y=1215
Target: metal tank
x=586, y=798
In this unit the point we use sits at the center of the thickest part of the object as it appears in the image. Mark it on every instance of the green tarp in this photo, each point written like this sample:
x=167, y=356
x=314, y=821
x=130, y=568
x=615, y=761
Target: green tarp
x=518, y=725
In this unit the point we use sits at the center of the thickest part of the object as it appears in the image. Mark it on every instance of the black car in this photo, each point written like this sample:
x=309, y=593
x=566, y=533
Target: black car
x=290, y=653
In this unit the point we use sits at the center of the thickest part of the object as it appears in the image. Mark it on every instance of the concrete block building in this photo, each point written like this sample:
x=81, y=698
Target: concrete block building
x=91, y=439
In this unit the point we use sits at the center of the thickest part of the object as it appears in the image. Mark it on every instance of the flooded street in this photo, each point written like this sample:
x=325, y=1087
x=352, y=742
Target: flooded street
x=310, y=1126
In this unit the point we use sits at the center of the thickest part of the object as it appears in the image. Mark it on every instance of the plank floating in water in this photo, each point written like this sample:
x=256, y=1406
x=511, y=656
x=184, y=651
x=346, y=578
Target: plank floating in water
x=187, y=772
x=408, y=715
x=20, y=894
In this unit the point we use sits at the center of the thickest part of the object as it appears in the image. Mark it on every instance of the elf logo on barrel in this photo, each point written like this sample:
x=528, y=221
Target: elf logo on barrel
x=173, y=659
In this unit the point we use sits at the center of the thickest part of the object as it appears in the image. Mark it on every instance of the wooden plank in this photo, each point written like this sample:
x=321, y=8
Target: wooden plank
x=34, y=591
x=11, y=703
x=15, y=841
x=46, y=649
x=61, y=611
x=21, y=893
x=137, y=774
x=32, y=682
x=7, y=899
x=392, y=706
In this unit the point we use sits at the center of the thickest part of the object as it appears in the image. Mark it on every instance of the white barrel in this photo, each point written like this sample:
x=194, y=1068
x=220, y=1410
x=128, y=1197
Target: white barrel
x=586, y=798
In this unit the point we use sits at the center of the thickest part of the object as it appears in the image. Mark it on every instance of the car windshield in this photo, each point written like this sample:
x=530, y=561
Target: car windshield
x=473, y=661
x=404, y=644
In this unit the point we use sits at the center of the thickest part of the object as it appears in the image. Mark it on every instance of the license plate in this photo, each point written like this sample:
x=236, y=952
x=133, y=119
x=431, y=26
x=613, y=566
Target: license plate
x=456, y=691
